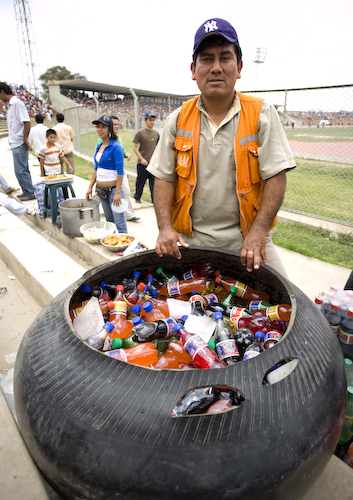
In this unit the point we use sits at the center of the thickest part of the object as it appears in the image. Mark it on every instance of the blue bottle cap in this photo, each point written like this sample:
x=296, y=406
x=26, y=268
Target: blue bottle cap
x=217, y=315
x=103, y=284
x=260, y=334
x=185, y=317
x=150, y=278
x=154, y=293
x=136, y=309
x=109, y=326
x=147, y=306
x=85, y=288
x=136, y=274
x=177, y=327
x=136, y=320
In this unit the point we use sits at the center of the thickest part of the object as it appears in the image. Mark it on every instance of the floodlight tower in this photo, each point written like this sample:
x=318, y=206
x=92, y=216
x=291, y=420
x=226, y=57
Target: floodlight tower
x=26, y=42
x=260, y=56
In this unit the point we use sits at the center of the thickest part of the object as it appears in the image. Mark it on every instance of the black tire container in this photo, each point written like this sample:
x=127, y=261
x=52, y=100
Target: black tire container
x=99, y=428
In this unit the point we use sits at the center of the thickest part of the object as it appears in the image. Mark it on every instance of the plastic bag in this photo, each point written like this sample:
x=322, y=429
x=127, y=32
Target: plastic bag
x=7, y=388
x=90, y=320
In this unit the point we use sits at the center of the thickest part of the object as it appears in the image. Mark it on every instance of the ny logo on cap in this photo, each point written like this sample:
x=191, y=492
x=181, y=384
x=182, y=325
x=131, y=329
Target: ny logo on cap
x=210, y=26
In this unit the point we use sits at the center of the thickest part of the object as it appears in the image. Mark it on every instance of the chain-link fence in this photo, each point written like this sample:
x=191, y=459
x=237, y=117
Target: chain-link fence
x=318, y=123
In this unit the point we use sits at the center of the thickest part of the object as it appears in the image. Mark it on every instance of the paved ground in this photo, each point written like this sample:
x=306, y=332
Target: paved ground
x=18, y=308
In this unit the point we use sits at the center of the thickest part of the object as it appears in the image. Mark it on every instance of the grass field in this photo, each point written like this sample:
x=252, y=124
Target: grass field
x=326, y=134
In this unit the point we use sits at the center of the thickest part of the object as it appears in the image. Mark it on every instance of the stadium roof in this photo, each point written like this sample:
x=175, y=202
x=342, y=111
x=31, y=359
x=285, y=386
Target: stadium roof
x=105, y=88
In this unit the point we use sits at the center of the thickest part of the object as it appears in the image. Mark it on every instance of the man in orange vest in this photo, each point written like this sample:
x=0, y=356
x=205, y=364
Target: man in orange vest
x=220, y=165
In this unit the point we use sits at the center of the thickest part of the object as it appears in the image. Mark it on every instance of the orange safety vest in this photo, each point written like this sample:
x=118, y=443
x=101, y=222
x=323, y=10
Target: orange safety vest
x=249, y=184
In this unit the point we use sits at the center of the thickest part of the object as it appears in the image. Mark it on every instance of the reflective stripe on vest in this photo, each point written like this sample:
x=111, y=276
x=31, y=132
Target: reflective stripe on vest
x=249, y=138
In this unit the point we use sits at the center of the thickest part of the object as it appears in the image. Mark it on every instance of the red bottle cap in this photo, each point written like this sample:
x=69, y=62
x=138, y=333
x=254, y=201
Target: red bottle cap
x=119, y=288
x=335, y=305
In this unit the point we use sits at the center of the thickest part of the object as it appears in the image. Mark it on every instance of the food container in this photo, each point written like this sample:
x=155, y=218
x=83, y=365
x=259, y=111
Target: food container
x=118, y=247
x=76, y=212
x=93, y=232
x=99, y=427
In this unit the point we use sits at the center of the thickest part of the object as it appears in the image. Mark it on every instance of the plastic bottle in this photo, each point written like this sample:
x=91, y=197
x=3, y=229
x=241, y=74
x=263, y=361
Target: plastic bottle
x=345, y=304
x=229, y=300
x=143, y=354
x=244, y=291
x=103, y=298
x=201, y=271
x=182, y=287
x=110, y=289
x=225, y=344
x=152, y=313
x=160, y=329
x=197, y=348
x=194, y=402
x=328, y=298
x=319, y=300
x=166, y=277
x=243, y=319
x=122, y=326
x=345, y=334
x=131, y=283
x=334, y=317
x=280, y=312
x=243, y=338
x=272, y=338
x=347, y=429
x=348, y=363
x=98, y=339
x=174, y=355
x=349, y=457
x=134, y=296
x=256, y=347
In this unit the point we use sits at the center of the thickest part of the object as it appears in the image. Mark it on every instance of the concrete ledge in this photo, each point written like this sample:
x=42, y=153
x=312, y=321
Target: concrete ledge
x=41, y=267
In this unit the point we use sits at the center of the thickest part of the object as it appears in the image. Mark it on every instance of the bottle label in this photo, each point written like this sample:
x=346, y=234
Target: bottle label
x=345, y=338
x=236, y=313
x=196, y=298
x=336, y=329
x=250, y=354
x=117, y=354
x=190, y=275
x=226, y=349
x=193, y=345
x=173, y=288
x=241, y=288
x=272, y=335
x=211, y=298
x=170, y=323
x=120, y=307
x=75, y=312
x=255, y=305
x=272, y=313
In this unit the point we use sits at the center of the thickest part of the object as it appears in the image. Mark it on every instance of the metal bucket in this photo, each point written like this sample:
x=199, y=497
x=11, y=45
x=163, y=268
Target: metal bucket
x=76, y=212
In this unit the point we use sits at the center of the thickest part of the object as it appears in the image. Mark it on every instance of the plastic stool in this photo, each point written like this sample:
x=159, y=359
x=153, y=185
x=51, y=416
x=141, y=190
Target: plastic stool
x=53, y=201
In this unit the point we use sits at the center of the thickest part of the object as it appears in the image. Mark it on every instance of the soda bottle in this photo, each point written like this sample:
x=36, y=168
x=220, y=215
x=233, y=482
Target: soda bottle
x=244, y=291
x=345, y=304
x=272, y=338
x=126, y=343
x=328, y=298
x=98, y=339
x=131, y=283
x=240, y=317
x=225, y=344
x=152, y=313
x=105, y=303
x=349, y=457
x=174, y=355
x=319, y=300
x=201, y=271
x=122, y=326
x=143, y=354
x=160, y=329
x=280, y=370
x=348, y=363
x=134, y=296
x=109, y=289
x=281, y=312
x=334, y=317
x=347, y=429
x=345, y=334
x=183, y=286
x=195, y=402
x=256, y=347
x=243, y=338
x=150, y=283
x=197, y=348
x=197, y=303
x=229, y=300
x=166, y=277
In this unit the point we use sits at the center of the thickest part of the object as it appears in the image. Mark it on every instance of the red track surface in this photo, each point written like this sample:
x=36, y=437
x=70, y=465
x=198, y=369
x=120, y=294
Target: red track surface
x=344, y=149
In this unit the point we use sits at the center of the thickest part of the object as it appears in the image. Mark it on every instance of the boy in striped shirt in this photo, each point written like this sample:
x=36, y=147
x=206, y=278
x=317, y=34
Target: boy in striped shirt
x=50, y=155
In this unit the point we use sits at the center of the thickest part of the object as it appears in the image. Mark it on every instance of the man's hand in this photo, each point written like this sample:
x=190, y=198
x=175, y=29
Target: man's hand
x=144, y=162
x=28, y=146
x=254, y=248
x=167, y=243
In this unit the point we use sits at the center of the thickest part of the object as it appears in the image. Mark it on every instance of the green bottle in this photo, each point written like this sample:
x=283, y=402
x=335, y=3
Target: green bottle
x=347, y=429
x=229, y=300
x=166, y=278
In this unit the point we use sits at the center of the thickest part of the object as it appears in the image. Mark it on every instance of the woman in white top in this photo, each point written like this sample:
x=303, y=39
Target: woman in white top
x=108, y=173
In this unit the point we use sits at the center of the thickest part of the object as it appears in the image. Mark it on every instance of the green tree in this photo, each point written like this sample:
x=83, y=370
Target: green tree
x=57, y=73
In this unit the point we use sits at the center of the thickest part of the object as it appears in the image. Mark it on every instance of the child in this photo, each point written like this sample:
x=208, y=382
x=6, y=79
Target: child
x=50, y=155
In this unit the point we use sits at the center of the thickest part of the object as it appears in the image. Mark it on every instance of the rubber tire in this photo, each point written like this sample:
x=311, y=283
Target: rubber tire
x=99, y=428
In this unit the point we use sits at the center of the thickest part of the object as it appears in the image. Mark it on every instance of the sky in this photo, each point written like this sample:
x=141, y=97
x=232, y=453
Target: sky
x=148, y=45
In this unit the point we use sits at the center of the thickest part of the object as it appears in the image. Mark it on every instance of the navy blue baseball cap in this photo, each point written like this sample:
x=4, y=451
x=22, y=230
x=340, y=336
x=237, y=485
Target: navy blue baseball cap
x=215, y=26
x=150, y=115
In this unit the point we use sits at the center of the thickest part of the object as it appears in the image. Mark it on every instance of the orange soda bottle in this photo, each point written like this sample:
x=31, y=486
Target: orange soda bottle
x=122, y=326
x=174, y=355
x=244, y=291
x=145, y=354
x=182, y=287
x=280, y=312
x=153, y=313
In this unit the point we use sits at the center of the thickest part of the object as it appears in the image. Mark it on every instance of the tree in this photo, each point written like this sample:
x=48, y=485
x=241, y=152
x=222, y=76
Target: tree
x=57, y=73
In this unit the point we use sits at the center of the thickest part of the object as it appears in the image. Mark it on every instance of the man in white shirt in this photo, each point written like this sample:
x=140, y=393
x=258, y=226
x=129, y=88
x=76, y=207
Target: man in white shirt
x=19, y=125
x=64, y=137
x=37, y=135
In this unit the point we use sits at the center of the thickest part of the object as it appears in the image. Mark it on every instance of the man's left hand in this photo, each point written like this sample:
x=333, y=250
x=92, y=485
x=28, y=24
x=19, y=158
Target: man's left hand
x=253, y=250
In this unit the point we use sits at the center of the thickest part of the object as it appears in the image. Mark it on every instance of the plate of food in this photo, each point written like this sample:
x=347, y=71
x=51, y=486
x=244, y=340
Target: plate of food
x=57, y=178
x=117, y=242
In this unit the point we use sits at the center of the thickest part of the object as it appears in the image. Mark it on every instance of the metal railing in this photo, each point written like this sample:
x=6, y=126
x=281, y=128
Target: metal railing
x=318, y=123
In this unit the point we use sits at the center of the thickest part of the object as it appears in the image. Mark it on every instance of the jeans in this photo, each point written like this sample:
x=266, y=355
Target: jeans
x=142, y=176
x=110, y=215
x=4, y=184
x=20, y=161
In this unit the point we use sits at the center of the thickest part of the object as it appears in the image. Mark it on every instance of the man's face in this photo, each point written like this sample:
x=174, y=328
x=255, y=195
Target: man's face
x=216, y=69
x=51, y=139
x=115, y=125
x=150, y=123
x=4, y=97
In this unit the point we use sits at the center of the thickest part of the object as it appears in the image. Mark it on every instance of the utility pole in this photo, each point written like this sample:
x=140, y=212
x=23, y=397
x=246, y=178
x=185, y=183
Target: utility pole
x=26, y=42
x=260, y=56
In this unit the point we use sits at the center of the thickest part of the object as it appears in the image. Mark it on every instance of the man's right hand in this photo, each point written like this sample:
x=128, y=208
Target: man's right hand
x=167, y=243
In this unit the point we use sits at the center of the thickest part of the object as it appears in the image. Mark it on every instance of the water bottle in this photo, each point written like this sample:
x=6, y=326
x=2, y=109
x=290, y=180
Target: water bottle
x=256, y=347
x=98, y=339
x=225, y=344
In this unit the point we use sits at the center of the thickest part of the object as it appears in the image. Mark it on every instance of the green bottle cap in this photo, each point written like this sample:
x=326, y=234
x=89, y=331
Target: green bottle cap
x=348, y=362
x=212, y=344
x=350, y=391
x=233, y=289
x=117, y=343
x=159, y=270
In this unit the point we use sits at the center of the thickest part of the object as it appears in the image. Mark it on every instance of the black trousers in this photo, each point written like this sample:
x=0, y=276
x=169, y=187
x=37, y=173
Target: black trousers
x=142, y=176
